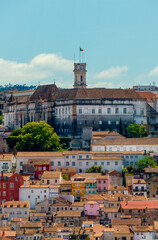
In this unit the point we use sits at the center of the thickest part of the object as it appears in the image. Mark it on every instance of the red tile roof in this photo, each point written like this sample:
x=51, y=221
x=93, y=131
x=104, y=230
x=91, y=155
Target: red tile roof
x=139, y=204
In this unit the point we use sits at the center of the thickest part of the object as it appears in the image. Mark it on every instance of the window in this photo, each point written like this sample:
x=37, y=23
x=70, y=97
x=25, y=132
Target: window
x=67, y=156
x=73, y=163
x=80, y=163
x=4, y=193
x=93, y=110
x=20, y=163
x=35, y=168
x=4, y=185
x=108, y=163
x=56, y=181
x=39, y=168
x=48, y=182
x=116, y=163
x=95, y=163
x=80, y=156
x=124, y=110
x=116, y=110
x=100, y=122
x=109, y=110
x=117, y=122
x=87, y=163
x=52, y=163
x=59, y=163
x=28, y=196
x=142, y=112
x=16, y=179
x=80, y=111
x=73, y=156
x=99, y=110
x=109, y=122
x=87, y=156
x=67, y=164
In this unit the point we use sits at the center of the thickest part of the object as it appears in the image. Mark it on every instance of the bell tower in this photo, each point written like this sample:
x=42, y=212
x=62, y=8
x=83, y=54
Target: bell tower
x=80, y=75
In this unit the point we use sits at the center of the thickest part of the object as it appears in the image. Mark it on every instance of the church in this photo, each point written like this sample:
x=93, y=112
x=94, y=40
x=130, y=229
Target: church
x=70, y=110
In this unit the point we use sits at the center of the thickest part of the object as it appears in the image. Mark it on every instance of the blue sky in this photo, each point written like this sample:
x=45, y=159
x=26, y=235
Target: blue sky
x=38, y=39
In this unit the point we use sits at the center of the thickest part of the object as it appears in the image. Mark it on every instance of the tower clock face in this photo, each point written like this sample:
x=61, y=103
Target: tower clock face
x=81, y=67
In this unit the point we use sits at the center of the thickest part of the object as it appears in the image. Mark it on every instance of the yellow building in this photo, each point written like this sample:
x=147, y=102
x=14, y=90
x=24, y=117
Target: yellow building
x=78, y=187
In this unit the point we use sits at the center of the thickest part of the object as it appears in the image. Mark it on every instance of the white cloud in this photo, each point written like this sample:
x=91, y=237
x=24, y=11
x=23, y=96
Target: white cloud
x=112, y=72
x=154, y=72
x=43, y=67
x=102, y=85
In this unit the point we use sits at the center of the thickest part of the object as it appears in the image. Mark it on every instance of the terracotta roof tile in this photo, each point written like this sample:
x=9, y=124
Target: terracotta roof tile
x=51, y=175
x=140, y=204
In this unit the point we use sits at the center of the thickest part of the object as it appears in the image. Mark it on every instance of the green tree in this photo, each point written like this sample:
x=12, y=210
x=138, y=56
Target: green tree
x=65, y=142
x=146, y=162
x=95, y=169
x=136, y=131
x=130, y=169
x=34, y=136
x=1, y=119
x=65, y=176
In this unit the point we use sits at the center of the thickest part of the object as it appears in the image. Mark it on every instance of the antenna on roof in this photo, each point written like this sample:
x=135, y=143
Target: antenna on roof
x=39, y=83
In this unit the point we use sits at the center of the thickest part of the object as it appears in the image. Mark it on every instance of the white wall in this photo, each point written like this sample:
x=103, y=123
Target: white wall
x=143, y=235
x=38, y=195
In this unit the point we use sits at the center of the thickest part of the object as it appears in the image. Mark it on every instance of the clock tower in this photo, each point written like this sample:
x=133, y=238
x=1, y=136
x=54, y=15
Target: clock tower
x=80, y=75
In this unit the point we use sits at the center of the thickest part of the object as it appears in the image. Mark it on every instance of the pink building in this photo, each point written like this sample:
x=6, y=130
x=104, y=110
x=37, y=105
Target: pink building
x=103, y=183
x=91, y=208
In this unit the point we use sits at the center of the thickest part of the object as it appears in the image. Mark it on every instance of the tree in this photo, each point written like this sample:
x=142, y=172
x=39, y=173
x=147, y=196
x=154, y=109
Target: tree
x=136, y=131
x=65, y=142
x=146, y=162
x=65, y=176
x=1, y=119
x=95, y=169
x=130, y=169
x=34, y=136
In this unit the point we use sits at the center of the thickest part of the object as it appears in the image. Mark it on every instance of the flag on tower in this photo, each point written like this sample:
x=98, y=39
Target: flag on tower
x=81, y=50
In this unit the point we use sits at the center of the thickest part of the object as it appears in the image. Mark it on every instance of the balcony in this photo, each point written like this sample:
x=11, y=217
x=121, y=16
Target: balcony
x=5, y=167
x=139, y=190
x=68, y=190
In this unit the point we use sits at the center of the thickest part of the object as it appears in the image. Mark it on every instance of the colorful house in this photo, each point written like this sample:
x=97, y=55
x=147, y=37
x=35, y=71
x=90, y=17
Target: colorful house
x=91, y=208
x=9, y=186
x=40, y=166
x=103, y=183
x=78, y=187
x=91, y=186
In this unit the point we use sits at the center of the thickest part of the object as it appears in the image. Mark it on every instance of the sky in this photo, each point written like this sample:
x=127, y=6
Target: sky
x=39, y=39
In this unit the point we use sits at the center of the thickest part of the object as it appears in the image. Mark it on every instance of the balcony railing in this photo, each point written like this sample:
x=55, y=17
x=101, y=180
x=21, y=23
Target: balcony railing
x=139, y=190
x=5, y=167
x=68, y=190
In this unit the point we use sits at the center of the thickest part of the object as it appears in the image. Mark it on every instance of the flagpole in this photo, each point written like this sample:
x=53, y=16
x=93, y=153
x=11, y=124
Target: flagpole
x=79, y=55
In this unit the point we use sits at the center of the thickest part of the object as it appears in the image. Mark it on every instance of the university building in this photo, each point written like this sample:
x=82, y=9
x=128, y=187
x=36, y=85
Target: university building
x=70, y=110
